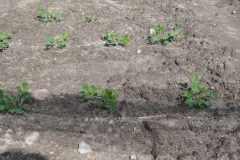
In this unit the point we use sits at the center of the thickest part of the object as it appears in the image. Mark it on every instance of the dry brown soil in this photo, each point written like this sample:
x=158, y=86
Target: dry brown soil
x=149, y=121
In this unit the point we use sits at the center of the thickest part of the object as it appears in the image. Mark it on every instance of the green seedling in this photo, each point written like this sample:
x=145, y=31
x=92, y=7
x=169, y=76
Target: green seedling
x=197, y=95
x=105, y=98
x=4, y=40
x=14, y=104
x=155, y=34
x=90, y=17
x=113, y=38
x=158, y=35
x=59, y=41
x=46, y=15
x=131, y=14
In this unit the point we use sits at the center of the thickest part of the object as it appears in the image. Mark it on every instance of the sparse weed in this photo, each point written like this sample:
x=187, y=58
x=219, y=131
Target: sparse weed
x=59, y=41
x=131, y=14
x=197, y=95
x=90, y=17
x=106, y=98
x=158, y=35
x=14, y=104
x=4, y=40
x=113, y=38
x=46, y=15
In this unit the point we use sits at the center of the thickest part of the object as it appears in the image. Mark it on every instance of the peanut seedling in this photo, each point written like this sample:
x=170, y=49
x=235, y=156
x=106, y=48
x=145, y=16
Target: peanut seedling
x=59, y=41
x=90, y=17
x=113, y=38
x=47, y=15
x=158, y=35
x=4, y=40
x=14, y=104
x=197, y=95
x=105, y=98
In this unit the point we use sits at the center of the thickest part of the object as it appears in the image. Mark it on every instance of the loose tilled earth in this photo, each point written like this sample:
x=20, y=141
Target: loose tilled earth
x=149, y=121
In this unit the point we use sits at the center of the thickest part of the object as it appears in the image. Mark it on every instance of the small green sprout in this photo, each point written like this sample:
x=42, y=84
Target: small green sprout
x=59, y=41
x=131, y=14
x=197, y=95
x=106, y=98
x=158, y=35
x=90, y=17
x=14, y=104
x=113, y=38
x=4, y=40
x=46, y=15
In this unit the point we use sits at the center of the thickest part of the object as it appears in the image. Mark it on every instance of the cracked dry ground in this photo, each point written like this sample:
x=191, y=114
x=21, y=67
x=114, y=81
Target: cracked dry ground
x=149, y=121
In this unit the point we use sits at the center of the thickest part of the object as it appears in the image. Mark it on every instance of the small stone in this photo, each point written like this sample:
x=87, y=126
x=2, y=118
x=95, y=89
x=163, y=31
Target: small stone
x=133, y=157
x=228, y=67
x=111, y=121
x=32, y=138
x=86, y=119
x=139, y=51
x=9, y=131
x=109, y=130
x=41, y=94
x=145, y=157
x=51, y=153
x=234, y=12
x=84, y=148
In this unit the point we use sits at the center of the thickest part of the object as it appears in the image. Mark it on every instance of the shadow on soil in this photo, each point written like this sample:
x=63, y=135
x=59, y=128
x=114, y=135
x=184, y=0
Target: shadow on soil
x=143, y=101
x=20, y=155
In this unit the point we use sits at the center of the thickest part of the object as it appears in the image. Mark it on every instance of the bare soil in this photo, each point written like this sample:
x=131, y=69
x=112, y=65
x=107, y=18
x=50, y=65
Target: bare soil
x=149, y=121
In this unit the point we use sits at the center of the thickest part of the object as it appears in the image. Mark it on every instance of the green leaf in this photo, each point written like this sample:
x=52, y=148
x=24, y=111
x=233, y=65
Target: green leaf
x=25, y=86
x=16, y=110
x=1, y=94
x=212, y=94
x=85, y=88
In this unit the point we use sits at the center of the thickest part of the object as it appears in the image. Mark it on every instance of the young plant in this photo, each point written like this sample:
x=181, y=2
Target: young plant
x=131, y=14
x=105, y=98
x=113, y=38
x=46, y=15
x=155, y=34
x=14, y=104
x=197, y=95
x=158, y=35
x=4, y=40
x=90, y=17
x=169, y=37
x=59, y=41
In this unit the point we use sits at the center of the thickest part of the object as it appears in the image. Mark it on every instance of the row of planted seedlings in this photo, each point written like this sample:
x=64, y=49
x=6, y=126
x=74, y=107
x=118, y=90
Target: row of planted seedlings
x=157, y=33
x=195, y=95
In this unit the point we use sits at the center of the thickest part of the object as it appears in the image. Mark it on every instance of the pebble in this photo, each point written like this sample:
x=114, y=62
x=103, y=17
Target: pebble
x=84, y=148
x=41, y=94
x=234, y=12
x=139, y=51
x=111, y=121
x=133, y=157
x=32, y=138
x=9, y=131
x=228, y=67
x=109, y=130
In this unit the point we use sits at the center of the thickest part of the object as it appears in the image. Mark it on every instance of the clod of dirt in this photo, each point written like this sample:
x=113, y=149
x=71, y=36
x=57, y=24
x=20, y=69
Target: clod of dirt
x=41, y=94
x=32, y=138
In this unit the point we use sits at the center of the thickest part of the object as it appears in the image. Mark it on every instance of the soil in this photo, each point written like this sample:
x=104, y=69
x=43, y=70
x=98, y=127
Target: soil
x=149, y=120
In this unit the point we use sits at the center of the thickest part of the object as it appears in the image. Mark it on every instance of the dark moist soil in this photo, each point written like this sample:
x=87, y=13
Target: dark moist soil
x=149, y=121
